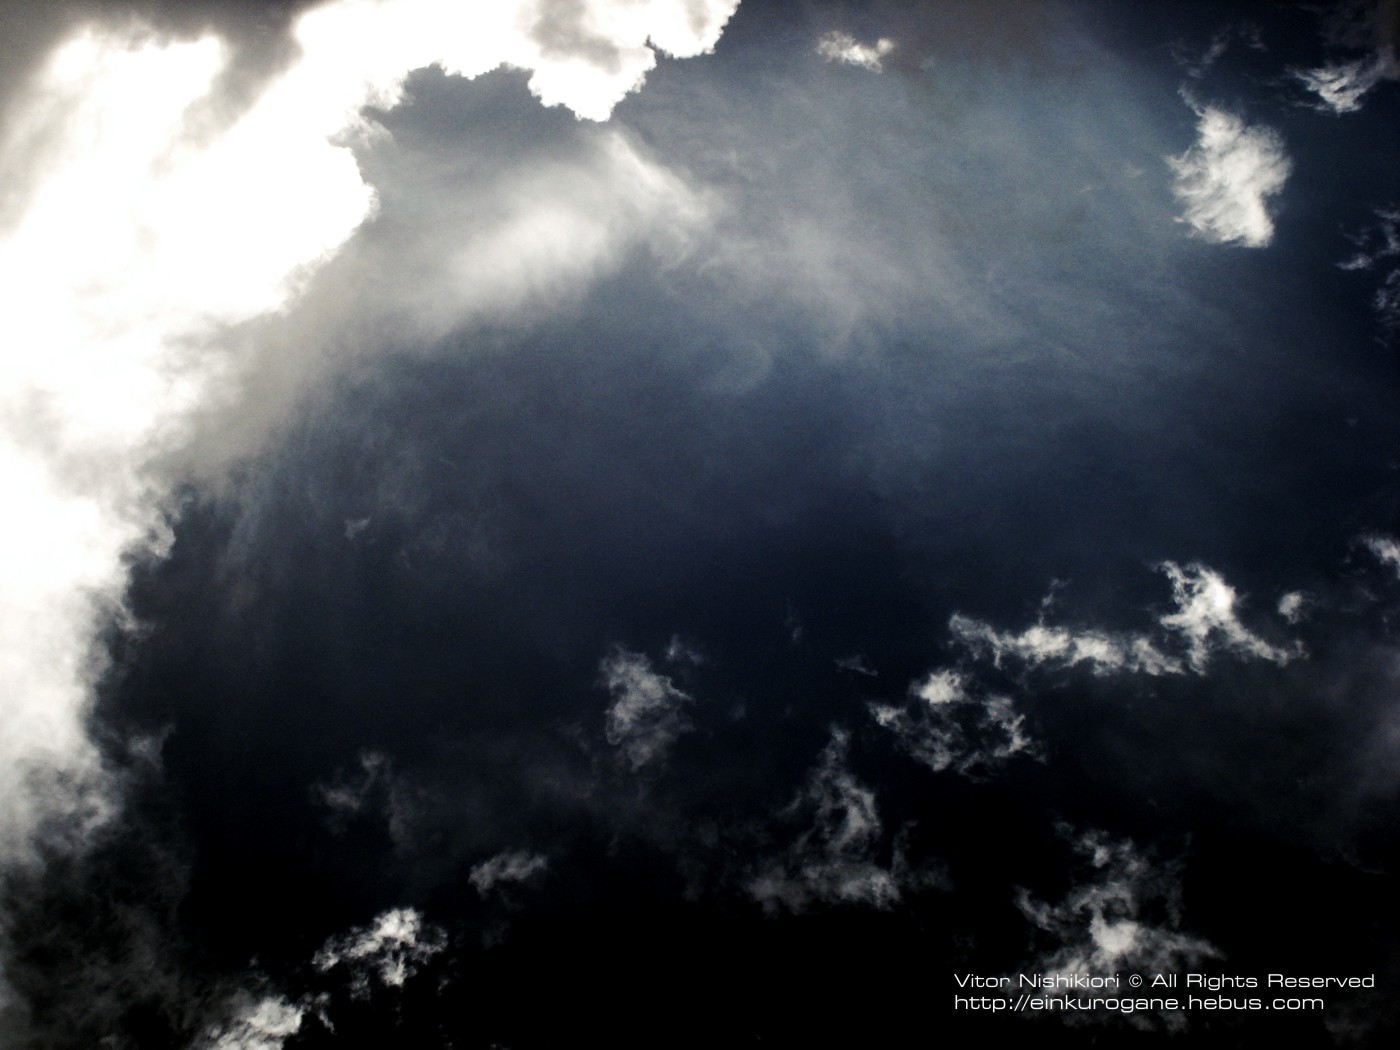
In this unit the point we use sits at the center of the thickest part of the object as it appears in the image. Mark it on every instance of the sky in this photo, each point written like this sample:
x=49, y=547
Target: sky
x=674, y=523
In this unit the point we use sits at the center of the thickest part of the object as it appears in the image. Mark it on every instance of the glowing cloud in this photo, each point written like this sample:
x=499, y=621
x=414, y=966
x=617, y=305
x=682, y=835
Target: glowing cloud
x=1224, y=180
x=151, y=215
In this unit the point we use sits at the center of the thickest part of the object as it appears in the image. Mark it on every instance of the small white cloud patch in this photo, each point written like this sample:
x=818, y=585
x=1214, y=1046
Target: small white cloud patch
x=646, y=717
x=513, y=866
x=945, y=726
x=1293, y=606
x=1376, y=248
x=838, y=46
x=391, y=950
x=1225, y=179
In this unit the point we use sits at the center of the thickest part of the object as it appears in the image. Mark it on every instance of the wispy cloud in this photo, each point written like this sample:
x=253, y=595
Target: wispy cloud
x=1225, y=180
x=1341, y=87
x=1363, y=36
x=946, y=725
x=1377, y=248
x=1198, y=61
x=835, y=859
x=385, y=953
x=647, y=715
x=1205, y=623
x=1040, y=644
x=509, y=867
x=1125, y=916
x=372, y=790
x=389, y=950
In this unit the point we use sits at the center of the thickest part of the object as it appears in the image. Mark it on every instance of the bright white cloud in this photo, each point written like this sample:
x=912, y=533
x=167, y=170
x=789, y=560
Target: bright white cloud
x=390, y=950
x=256, y=1024
x=1206, y=620
x=144, y=227
x=1204, y=623
x=947, y=726
x=1224, y=181
x=512, y=866
x=838, y=46
x=647, y=713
